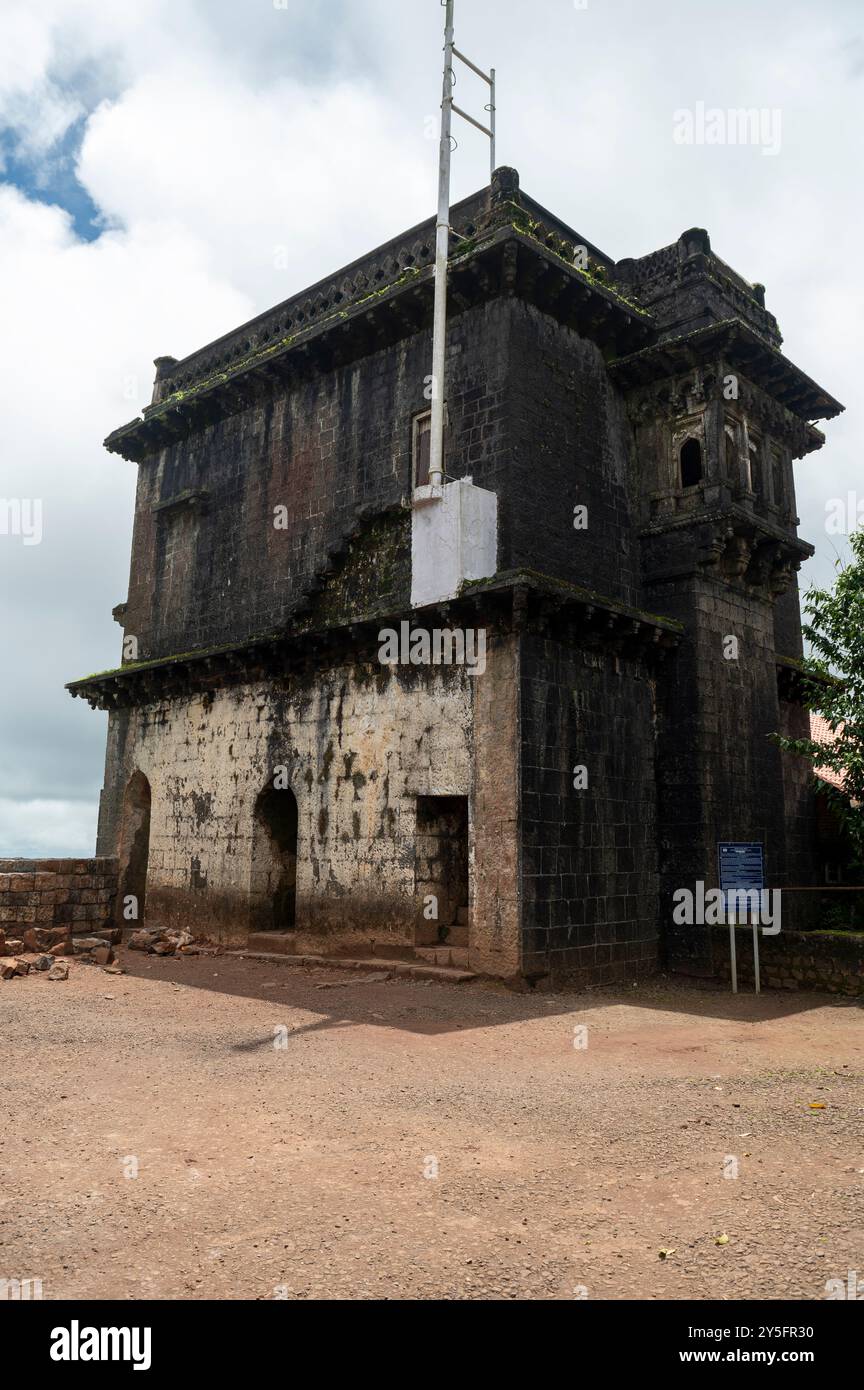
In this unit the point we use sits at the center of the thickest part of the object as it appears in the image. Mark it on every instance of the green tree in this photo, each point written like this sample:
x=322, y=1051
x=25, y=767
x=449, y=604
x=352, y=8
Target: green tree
x=834, y=687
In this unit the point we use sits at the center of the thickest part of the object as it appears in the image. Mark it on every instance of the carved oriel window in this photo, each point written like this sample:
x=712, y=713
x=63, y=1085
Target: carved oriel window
x=754, y=464
x=690, y=463
x=732, y=454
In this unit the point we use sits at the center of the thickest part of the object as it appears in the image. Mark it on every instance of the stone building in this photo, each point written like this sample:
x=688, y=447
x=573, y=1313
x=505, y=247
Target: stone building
x=614, y=546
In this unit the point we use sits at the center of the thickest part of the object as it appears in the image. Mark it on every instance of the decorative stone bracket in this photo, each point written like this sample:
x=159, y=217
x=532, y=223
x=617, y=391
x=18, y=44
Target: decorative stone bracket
x=745, y=555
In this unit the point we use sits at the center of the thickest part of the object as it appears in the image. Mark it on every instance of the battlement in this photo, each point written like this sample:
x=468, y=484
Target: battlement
x=392, y=263
x=686, y=285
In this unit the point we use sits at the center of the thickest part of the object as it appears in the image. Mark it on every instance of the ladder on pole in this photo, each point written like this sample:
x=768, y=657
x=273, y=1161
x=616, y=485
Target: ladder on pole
x=442, y=230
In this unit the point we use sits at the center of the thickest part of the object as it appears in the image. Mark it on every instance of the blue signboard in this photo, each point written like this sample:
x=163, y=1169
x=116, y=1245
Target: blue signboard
x=742, y=867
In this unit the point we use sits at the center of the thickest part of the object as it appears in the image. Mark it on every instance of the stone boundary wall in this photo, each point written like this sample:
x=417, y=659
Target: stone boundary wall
x=67, y=894
x=825, y=960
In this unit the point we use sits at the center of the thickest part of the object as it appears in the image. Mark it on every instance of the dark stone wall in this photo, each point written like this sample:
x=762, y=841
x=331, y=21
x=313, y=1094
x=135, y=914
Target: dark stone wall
x=799, y=801
x=213, y=569
x=571, y=444
x=788, y=640
x=118, y=770
x=720, y=775
x=531, y=416
x=589, y=857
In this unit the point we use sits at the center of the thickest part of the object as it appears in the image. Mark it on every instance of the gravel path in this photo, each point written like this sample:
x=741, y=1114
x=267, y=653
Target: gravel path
x=306, y=1134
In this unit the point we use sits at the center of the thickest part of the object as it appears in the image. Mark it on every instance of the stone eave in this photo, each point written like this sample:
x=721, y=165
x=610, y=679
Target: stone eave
x=547, y=586
x=278, y=654
x=505, y=260
x=741, y=347
x=739, y=520
x=793, y=677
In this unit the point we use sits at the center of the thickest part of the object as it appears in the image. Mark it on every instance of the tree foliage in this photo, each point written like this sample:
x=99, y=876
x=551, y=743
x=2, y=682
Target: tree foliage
x=834, y=687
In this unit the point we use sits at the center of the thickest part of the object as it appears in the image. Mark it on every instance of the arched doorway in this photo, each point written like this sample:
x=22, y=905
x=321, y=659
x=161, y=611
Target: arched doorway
x=274, y=860
x=134, y=851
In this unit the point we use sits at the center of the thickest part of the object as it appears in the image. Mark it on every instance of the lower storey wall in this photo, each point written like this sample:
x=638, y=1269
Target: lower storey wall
x=356, y=746
x=589, y=824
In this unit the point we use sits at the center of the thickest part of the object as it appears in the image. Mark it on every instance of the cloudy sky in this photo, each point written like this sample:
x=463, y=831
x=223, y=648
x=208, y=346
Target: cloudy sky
x=169, y=168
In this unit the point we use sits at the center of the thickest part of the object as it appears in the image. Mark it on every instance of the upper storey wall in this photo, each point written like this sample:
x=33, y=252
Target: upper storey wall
x=531, y=415
x=571, y=446
x=210, y=567
x=306, y=415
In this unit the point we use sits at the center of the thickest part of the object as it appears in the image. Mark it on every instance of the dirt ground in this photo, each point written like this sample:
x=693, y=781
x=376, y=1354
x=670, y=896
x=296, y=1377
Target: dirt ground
x=306, y=1134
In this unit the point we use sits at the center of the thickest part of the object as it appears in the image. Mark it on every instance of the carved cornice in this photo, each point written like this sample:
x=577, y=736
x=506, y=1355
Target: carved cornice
x=502, y=244
x=542, y=601
x=732, y=342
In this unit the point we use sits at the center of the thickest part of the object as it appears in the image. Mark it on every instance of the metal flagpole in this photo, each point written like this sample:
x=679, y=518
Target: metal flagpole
x=442, y=232
x=442, y=247
x=492, y=165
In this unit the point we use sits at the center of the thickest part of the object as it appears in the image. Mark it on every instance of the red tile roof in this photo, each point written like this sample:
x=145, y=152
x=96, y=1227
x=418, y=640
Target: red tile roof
x=821, y=732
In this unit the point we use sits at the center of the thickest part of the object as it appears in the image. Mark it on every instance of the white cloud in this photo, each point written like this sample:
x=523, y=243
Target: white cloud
x=320, y=175
x=43, y=829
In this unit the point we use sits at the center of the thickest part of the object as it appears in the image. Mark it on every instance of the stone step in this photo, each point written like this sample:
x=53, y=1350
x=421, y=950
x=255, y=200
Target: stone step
x=411, y=969
x=455, y=957
x=280, y=943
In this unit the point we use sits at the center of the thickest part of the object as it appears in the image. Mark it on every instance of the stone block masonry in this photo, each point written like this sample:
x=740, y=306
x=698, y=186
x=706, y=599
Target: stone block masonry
x=589, y=875
x=819, y=960
x=68, y=894
x=358, y=744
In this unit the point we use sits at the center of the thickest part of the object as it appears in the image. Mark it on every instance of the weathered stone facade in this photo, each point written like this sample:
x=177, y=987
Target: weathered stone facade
x=637, y=424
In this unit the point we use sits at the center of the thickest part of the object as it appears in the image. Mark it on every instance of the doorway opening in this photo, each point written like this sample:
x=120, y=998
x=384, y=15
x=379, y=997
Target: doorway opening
x=442, y=871
x=274, y=860
x=134, y=851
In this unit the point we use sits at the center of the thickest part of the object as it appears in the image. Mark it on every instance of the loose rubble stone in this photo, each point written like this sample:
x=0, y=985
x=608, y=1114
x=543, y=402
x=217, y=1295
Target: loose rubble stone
x=59, y=971
x=43, y=962
x=7, y=969
x=38, y=939
x=141, y=940
x=22, y=967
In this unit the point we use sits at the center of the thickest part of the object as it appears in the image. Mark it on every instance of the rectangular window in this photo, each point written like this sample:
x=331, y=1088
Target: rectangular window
x=420, y=448
x=755, y=462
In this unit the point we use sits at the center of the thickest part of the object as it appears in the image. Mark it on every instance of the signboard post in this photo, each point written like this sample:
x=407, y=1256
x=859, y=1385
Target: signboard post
x=742, y=870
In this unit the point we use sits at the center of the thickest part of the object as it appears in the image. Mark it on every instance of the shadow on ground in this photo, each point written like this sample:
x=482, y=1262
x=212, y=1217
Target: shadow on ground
x=342, y=998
